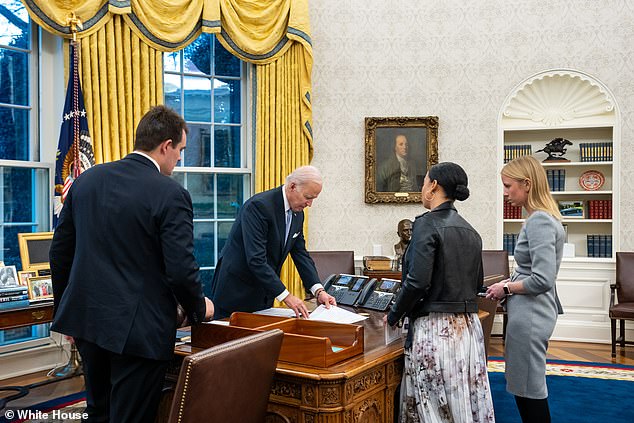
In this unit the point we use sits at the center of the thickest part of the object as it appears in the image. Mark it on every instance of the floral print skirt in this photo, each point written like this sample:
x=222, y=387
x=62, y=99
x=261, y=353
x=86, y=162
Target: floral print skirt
x=445, y=375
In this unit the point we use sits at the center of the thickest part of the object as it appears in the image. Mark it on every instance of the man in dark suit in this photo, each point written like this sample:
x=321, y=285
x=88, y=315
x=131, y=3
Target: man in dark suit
x=268, y=228
x=121, y=259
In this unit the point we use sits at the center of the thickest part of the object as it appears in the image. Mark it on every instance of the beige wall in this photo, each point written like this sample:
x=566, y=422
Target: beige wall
x=456, y=60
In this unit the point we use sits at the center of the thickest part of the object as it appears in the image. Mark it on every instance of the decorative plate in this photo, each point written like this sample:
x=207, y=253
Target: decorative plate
x=591, y=180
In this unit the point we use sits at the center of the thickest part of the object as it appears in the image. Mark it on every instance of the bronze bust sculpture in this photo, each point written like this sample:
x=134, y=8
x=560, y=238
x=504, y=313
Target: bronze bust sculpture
x=405, y=234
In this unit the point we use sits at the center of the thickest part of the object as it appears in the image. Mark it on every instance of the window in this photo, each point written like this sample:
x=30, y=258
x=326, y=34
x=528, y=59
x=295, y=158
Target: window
x=206, y=85
x=26, y=183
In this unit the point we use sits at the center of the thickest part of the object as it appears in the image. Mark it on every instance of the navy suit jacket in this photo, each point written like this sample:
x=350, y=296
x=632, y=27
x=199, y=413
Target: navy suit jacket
x=247, y=273
x=122, y=256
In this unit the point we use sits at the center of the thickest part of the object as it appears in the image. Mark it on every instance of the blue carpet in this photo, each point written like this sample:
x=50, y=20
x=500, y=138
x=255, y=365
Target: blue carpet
x=573, y=399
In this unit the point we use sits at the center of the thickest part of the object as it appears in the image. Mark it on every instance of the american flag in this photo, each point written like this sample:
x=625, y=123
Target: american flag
x=74, y=151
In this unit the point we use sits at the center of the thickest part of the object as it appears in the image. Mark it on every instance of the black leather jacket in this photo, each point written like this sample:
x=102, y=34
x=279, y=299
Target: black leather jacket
x=442, y=267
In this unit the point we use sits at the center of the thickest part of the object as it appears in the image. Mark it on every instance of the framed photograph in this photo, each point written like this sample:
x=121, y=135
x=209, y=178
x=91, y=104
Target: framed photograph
x=8, y=277
x=34, y=249
x=572, y=209
x=40, y=288
x=398, y=153
x=24, y=276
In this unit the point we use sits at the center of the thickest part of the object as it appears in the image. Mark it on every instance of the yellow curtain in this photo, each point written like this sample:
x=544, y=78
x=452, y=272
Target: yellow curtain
x=121, y=68
x=278, y=130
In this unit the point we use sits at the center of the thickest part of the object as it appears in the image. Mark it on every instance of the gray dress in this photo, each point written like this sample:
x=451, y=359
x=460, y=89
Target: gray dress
x=532, y=316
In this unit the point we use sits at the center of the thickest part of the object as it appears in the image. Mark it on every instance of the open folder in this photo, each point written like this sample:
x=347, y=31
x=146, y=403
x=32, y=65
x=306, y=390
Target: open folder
x=333, y=314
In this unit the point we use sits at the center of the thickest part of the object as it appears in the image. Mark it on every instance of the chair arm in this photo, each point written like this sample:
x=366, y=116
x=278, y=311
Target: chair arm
x=613, y=288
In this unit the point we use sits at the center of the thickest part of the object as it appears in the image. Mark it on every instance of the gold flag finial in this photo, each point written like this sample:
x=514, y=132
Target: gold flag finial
x=74, y=22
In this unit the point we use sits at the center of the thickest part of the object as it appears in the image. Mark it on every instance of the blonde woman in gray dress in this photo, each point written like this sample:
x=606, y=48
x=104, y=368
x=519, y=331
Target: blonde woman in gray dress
x=531, y=295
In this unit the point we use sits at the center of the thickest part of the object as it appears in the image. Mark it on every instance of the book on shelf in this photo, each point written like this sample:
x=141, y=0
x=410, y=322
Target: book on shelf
x=556, y=179
x=600, y=209
x=595, y=151
x=14, y=304
x=599, y=245
x=512, y=212
x=514, y=151
x=508, y=243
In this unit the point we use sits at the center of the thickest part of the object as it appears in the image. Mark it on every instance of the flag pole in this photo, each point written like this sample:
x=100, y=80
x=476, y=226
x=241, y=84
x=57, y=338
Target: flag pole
x=73, y=366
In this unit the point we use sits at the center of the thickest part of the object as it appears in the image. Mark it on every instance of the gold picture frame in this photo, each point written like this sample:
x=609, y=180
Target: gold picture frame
x=40, y=288
x=34, y=248
x=24, y=275
x=398, y=153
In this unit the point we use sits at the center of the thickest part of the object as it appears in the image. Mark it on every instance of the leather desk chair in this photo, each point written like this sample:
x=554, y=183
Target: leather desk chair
x=230, y=382
x=489, y=306
x=496, y=262
x=624, y=289
x=330, y=262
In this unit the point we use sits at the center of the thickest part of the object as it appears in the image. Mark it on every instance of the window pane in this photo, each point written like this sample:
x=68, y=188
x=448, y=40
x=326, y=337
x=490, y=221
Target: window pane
x=14, y=134
x=197, y=99
x=198, y=151
x=206, y=276
x=204, y=243
x=226, y=64
x=172, y=61
x=17, y=194
x=10, y=249
x=227, y=146
x=198, y=56
x=15, y=31
x=230, y=195
x=201, y=189
x=227, y=101
x=14, y=77
x=172, y=91
x=179, y=177
x=223, y=234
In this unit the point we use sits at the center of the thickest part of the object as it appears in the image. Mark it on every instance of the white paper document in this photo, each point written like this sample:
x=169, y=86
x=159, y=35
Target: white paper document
x=277, y=311
x=335, y=315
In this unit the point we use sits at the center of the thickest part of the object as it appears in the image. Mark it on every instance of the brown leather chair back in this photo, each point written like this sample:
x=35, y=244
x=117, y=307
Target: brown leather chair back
x=489, y=306
x=625, y=277
x=495, y=262
x=229, y=382
x=330, y=262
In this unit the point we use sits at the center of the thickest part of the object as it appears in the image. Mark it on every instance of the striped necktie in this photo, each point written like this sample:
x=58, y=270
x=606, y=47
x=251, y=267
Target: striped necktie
x=289, y=218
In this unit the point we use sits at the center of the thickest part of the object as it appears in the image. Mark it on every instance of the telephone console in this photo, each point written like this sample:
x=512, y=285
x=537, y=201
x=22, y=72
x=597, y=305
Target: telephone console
x=361, y=291
x=381, y=295
x=346, y=288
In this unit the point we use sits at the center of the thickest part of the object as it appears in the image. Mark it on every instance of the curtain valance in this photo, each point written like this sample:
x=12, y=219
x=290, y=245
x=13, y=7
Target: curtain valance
x=256, y=31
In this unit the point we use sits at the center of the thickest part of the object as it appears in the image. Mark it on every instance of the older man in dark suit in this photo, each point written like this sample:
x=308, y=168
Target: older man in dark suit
x=268, y=228
x=121, y=259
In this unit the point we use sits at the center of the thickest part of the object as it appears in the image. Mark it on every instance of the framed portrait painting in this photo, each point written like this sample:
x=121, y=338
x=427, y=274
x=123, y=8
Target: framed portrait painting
x=398, y=153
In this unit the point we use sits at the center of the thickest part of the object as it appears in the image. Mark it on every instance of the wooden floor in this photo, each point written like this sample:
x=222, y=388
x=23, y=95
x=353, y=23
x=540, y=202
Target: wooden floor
x=558, y=350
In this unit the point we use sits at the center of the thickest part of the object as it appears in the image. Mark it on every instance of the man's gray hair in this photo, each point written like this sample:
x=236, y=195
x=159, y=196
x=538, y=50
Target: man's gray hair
x=305, y=174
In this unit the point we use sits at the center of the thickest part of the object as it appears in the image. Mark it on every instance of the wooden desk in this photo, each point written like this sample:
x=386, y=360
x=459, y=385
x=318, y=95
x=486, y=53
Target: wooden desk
x=360, y=389
x=34, y=314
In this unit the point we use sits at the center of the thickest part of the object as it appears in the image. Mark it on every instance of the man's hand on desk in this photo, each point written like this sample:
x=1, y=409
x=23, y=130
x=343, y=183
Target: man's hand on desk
x=296, y=305
x=325, y=298
x=209, y=309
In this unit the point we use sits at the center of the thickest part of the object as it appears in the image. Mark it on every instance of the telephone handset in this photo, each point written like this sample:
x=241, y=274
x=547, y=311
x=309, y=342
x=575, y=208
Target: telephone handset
x=379, y=297
x=346, y=288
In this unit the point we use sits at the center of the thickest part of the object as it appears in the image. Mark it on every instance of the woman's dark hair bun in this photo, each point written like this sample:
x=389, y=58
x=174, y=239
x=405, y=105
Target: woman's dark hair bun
x=461, y=192
x=452, y=178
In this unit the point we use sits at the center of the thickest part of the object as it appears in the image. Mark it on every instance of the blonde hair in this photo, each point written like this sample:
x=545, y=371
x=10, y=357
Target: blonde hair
x=528, y=168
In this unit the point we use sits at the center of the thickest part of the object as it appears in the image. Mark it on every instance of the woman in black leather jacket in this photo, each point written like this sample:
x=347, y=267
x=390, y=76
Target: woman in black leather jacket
x=445, y=377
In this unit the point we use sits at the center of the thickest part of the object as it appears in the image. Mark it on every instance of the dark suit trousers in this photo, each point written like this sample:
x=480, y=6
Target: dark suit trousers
x=120, y=388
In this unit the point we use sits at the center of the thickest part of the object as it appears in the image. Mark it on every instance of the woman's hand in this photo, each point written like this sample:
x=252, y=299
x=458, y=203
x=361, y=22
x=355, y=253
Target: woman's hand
x=496, y=291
